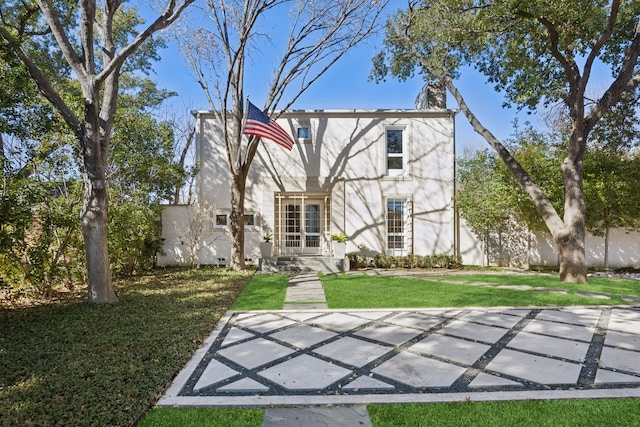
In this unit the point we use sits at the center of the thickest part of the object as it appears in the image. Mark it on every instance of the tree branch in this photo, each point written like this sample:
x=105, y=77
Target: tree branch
x=544, y=206
x=626, y=81
x=170, y=15
x=44, y=85
x=61, y=37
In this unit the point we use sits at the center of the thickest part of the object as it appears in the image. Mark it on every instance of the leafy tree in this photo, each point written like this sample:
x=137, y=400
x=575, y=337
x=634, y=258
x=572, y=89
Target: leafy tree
x=535, y=51
x=612, y=171
x=319, y=34
x=139, y=183
x=95, y=40
x=484, y=199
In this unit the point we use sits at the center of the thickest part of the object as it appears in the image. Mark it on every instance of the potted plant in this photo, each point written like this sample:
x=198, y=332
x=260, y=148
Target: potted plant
x=266, y=247
x=339, y=245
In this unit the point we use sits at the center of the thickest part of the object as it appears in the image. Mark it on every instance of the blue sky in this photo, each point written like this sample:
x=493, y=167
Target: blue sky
x=346, y=86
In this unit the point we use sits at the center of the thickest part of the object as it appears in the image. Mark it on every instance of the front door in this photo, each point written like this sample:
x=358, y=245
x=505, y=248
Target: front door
x=301, y=230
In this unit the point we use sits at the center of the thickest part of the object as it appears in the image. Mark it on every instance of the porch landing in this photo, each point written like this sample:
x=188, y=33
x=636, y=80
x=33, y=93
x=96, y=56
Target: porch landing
x=303, y=263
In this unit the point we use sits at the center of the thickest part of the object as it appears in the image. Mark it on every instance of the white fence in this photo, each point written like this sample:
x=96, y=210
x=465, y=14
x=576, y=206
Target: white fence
x=518, y=247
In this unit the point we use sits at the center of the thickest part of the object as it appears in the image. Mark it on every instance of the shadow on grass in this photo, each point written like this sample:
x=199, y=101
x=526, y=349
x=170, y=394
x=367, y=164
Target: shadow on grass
x=363, y=291
x=81, y=364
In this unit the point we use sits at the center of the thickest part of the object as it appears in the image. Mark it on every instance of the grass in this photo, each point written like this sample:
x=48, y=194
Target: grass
x=71, y=363
x=78, y=364
x=202, y=417
x=596, y=284
x=538, y=413
x=263, y=292
x=363, y=291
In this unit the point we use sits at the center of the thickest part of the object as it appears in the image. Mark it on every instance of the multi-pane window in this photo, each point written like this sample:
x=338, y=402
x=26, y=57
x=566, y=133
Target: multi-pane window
x=395, y=150
x=399, y=220
x=292, y=226
x=395, y=224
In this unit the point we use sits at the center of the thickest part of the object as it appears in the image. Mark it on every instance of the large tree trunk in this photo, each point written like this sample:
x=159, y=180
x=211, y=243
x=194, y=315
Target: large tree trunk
x=573, y=265
x=94, y=217
x=570, y=238
x=236, y=219
x=94, y=231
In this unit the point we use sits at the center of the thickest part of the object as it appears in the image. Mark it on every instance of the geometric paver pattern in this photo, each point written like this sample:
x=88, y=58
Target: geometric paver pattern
x=370, y=356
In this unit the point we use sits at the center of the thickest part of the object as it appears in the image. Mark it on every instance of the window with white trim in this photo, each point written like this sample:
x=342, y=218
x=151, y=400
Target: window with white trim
x=303, y=133
x=395, y=148
x=398, y=222
x=250, y=220
x=221, y=220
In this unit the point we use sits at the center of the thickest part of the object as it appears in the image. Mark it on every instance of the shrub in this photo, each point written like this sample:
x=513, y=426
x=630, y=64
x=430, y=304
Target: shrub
x=357, y=261
x=417, y=261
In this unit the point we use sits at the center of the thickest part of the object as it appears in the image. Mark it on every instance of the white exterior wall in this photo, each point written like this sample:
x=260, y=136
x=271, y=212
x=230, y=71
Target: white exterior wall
x=344, y=161
x=624, y=250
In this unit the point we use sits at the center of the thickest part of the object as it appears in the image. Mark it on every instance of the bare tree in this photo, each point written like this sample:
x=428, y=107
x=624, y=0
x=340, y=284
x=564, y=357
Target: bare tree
x=91, y=51
x=319, y=33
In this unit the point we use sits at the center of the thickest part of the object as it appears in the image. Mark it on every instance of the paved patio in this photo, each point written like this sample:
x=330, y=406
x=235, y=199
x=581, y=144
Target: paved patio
x=354, y=357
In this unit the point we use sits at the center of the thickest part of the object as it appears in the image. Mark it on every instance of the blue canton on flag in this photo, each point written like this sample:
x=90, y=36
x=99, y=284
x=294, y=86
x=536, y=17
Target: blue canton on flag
x=259, y=124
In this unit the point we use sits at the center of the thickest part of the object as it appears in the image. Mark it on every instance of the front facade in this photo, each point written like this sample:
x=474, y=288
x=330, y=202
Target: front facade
x=385, y=178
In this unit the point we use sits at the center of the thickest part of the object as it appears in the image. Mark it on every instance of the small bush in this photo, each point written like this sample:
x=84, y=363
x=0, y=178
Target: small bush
x=357, y=261
x=411, y=261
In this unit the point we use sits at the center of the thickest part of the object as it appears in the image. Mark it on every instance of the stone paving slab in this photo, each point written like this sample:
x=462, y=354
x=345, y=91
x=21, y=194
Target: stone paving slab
x=317, y=417
x=357, y=357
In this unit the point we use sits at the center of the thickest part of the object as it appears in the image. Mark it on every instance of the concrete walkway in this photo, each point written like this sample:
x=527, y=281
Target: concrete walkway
x=310, y=356
x=305, y=292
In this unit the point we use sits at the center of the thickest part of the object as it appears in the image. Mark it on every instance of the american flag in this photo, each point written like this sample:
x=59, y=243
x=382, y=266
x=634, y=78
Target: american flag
x=259, y=124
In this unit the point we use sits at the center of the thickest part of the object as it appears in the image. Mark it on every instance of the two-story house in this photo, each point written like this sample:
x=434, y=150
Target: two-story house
x=385, y=178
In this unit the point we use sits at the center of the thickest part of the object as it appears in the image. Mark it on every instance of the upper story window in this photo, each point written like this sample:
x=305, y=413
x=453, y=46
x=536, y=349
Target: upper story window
x=303, y=130
x=303, y=133
x=395, y=151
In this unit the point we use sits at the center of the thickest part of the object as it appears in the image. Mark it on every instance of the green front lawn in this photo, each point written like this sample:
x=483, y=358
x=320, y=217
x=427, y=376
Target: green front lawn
x=71, y=363
x=263, y=292
x=364, y=291
x=537, y=413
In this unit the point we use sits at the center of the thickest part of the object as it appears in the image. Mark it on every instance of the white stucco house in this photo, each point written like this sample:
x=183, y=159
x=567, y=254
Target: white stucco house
x=385, y=178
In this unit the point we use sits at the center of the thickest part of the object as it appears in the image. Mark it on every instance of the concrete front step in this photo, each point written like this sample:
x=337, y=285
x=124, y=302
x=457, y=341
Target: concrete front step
x=303, y=263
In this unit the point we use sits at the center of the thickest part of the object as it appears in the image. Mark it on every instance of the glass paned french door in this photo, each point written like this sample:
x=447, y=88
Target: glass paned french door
x=312, y=226
x=293, y=226
x=301, y=225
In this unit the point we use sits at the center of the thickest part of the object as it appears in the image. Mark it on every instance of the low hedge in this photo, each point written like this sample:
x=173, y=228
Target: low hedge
x=358, y=261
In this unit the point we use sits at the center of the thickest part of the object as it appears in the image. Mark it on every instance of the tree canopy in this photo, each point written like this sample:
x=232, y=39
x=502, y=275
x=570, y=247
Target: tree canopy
x=537, y=53
x=75, y=53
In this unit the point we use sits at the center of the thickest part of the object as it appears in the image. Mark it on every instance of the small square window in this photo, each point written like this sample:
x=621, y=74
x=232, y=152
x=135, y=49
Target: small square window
x=250, y=220
x=222, y=220
x=303, y=133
